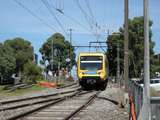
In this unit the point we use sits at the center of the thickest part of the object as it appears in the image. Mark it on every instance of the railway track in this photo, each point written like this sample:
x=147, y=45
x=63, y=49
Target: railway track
x=11, y=108
x=73, y=85
x=68, y=89
x=78, y=99
x=67, y=105
x=63, y=109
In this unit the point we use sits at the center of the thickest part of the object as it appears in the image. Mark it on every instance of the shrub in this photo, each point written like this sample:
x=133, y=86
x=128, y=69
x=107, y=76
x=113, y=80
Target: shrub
x=32, y=72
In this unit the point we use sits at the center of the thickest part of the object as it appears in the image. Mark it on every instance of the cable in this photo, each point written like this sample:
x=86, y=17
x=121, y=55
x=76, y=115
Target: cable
x=69, y=17
x=45, y=2
x=90, y=11
x=88, y=19
x=84, y=13
x=39, y=8
x=34, y=15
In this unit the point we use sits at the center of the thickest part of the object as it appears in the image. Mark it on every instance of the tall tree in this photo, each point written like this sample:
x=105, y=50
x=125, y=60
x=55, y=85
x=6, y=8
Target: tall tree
x=22, y=50
x=7, y=62
x=136, y=46
x=55, y=51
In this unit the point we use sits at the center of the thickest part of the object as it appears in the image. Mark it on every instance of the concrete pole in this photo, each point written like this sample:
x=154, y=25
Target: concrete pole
x=146, y=96
x=52, y=52
x=126, y=67
x=118, y=65
x=70, y=30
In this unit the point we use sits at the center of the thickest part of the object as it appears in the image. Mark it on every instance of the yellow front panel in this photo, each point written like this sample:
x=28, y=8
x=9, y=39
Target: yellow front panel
x=100, y=73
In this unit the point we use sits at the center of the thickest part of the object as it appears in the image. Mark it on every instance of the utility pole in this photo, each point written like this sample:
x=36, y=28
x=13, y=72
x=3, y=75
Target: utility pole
x=126, y=67
x=146, y=100
x=70, y=38
x=118, y=65
x=52, y=52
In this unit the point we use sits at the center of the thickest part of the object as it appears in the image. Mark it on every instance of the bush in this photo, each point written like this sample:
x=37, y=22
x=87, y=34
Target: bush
x=32, y=72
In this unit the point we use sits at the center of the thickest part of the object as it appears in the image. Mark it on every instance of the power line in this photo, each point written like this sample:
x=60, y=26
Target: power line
x=69, y=17
x=90, y=11
x=34, y=15
x=84, y=13
x=85, y=16
x=40, y=11
x=45, y=2
x=95, y=25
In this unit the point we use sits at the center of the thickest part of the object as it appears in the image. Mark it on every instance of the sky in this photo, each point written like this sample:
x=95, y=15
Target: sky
x=37, y=23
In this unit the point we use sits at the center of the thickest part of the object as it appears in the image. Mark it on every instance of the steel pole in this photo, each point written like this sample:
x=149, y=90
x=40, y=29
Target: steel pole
x=126, y=67
x=146, y=100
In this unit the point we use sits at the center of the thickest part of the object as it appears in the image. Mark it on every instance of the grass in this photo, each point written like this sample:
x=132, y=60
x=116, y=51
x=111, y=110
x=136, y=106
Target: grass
x=18, y=92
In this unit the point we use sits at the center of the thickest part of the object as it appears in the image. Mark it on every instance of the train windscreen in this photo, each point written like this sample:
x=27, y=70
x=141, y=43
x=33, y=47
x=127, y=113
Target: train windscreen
x=92, y=63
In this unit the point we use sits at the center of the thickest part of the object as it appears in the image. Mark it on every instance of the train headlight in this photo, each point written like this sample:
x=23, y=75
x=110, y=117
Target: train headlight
x=102, y=76
x=100, y=72
x=81, y=74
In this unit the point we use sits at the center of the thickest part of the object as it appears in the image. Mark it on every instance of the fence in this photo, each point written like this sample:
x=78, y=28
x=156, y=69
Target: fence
x=155, y=108
x=136, y=93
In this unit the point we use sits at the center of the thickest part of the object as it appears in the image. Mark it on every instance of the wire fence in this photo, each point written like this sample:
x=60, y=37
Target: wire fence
x=136, y=92
x=155, y=108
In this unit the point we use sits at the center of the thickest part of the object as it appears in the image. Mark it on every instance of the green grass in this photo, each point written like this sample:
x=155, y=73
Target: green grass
x=18, y=92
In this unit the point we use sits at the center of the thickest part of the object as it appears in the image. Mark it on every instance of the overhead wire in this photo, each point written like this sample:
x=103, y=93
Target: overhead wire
x=69, y=17
x=87, y=18
x=45, y=2
x=95, y=23
x=40, y=10
x=90, y=11
x=34, y=15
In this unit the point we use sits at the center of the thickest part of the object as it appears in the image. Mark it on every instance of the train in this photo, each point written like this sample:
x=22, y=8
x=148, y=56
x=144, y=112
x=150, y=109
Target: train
x=93, y=70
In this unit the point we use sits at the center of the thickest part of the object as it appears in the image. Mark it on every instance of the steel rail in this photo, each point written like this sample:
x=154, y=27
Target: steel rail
x=42, y=107
x=49, y=103
x=36, y=97
x=67, y=85
x=74, y=113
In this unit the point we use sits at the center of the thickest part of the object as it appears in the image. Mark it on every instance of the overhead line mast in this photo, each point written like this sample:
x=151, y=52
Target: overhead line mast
x=126, y=67
x=146, y=101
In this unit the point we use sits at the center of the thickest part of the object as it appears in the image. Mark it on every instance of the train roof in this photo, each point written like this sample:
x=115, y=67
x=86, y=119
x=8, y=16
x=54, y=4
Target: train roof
x=91, y=53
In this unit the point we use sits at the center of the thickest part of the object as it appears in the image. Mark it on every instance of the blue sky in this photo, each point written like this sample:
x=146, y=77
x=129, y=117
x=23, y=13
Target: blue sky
x=15, y=21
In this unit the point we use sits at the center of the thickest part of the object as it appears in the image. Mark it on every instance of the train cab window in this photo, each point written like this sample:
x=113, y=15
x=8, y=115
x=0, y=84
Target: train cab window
x=91, y=63
x=91, y=66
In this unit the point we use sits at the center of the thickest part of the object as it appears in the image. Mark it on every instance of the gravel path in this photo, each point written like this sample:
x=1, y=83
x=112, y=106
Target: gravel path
x=102, y=109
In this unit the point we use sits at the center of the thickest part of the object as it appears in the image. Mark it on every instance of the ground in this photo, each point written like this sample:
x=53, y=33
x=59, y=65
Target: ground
x=100, y=109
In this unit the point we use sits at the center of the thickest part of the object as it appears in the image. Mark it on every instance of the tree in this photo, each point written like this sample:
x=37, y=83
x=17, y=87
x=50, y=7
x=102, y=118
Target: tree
x=136, y=47
x=55, y=51
x=32, y=72
x=22, y=50
x=7, y=62
x=115, y=40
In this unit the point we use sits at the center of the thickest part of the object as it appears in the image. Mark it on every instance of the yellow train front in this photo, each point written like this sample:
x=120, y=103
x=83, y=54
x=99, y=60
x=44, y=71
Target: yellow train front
x=92, y=70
